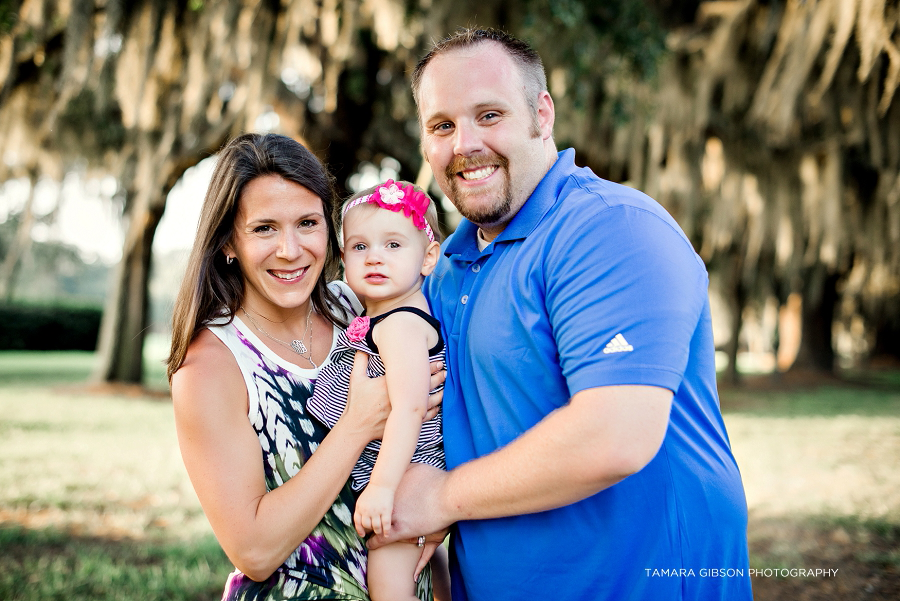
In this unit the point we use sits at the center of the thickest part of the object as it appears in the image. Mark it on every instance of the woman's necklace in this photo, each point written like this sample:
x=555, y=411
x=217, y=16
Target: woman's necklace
x=295, y=345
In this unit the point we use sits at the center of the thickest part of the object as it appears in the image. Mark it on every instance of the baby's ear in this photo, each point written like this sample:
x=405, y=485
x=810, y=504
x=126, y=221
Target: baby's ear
x=432, y=254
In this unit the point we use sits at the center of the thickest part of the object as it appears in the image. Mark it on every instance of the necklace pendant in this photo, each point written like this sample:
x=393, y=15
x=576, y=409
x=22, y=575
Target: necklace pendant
x=298, y=347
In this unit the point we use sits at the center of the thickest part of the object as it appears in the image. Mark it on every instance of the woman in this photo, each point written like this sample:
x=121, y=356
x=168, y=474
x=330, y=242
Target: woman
x=254, y=321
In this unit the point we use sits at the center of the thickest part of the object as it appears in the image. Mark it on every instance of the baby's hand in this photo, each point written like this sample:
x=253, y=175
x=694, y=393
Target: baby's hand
x=373, y=510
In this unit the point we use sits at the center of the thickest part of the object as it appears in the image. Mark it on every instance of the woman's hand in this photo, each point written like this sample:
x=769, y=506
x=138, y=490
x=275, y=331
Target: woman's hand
x=367, y=400
x=438, y=376
x=432, y=542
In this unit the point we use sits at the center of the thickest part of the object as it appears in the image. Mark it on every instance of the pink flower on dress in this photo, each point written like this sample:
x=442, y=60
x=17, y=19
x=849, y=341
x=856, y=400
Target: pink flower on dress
x=357, y=329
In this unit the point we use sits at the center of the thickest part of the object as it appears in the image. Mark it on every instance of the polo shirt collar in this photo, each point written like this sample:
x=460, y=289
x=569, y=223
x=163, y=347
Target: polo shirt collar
x=463, y=241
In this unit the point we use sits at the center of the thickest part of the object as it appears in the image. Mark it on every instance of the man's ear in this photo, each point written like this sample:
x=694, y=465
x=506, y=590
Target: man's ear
x=546, y=114
x=432, y=253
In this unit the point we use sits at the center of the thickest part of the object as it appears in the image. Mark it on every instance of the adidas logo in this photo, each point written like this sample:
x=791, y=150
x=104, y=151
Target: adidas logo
x=618, y=345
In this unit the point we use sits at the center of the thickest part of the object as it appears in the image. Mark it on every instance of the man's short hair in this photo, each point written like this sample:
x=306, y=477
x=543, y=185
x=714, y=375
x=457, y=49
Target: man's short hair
x=526, y=58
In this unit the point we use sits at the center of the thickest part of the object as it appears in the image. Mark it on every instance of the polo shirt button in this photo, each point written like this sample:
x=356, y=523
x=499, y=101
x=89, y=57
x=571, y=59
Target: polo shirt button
x=476, y=267
x=464, y=299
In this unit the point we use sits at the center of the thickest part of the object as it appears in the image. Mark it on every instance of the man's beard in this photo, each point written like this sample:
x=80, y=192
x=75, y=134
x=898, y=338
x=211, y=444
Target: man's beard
x=481, y=215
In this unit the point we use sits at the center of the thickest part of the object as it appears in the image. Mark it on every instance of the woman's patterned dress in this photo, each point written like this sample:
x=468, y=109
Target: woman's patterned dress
x=331, y=562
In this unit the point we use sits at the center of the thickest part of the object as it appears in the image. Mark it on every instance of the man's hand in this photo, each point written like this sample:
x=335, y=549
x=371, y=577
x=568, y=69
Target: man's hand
x=417, y=507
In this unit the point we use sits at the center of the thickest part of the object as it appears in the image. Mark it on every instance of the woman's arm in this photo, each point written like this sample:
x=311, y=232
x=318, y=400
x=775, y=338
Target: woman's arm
x=402, y=340
x=257, y=529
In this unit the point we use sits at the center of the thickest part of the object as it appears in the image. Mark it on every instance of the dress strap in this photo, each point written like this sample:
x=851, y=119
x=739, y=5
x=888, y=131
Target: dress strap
x=434, y=323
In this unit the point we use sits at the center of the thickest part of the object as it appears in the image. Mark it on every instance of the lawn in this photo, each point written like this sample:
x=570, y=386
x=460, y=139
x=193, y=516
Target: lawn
x=95, y=505
x=820, y=469
x=94, y=501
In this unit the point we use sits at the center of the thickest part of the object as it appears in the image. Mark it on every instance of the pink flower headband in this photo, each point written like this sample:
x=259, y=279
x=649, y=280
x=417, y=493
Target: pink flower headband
x=396, y=198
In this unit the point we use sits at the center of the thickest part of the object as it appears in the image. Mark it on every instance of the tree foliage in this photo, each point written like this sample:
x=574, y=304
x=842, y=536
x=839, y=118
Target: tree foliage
x=775, y=140
x=768, y=128
x=144, y=90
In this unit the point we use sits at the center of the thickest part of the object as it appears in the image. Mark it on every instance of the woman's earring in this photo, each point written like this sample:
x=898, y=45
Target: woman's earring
x=229, y=259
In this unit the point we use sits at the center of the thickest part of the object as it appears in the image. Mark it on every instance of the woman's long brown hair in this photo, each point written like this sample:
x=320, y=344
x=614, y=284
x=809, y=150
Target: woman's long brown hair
x=212, y=288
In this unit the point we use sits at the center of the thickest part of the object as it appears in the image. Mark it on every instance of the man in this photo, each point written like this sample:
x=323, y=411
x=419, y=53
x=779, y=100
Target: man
x=587, y=454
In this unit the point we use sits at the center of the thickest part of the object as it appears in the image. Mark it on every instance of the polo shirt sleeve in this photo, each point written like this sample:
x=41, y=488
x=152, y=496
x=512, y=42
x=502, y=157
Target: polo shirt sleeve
x=625, y=292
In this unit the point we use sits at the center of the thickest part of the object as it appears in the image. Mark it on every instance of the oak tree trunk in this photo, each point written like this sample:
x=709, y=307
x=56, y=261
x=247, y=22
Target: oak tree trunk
x=121, y=342
x=820, y=299
x=19, y=247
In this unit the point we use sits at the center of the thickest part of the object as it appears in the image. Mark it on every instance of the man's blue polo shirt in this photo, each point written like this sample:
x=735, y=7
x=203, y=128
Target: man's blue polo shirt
x=591, y=284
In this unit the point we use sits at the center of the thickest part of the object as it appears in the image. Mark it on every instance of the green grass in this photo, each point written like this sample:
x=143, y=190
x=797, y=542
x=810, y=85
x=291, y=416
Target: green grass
x=819, y=468
x=94, y=500
x=828, y=400
x=865, y=553
x=95, y=503
x=45, y=367
x=75, y=367
x=51, y=565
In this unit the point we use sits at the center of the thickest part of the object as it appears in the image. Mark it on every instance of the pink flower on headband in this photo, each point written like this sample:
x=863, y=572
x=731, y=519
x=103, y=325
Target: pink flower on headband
x=390, y=193
x=394, y=197
x=358, y=328
x=413, y=203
